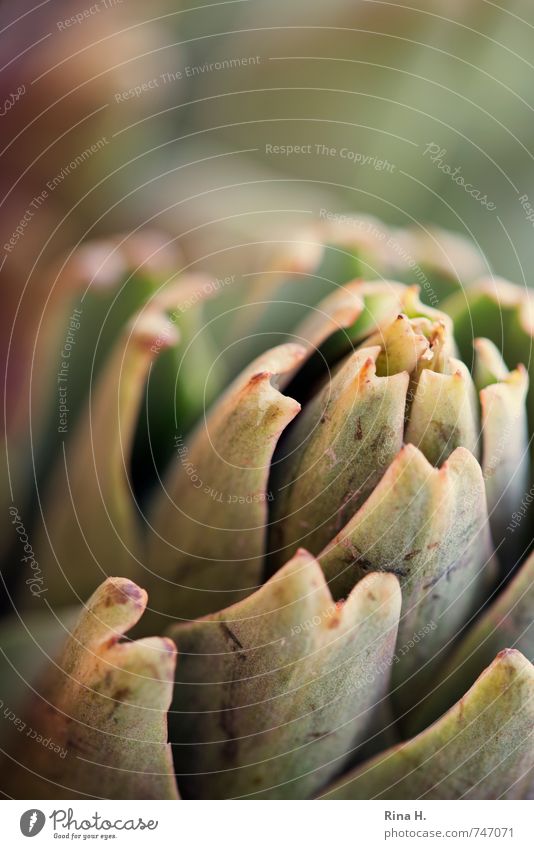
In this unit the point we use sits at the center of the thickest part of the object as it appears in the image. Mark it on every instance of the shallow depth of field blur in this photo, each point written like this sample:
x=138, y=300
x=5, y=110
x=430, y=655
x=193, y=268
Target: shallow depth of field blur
x=380, y=96
x=210, y=139
x=219, y=84
x=228, y=127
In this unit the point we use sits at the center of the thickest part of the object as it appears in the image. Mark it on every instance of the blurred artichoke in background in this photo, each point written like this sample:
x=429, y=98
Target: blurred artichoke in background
x=338, y=550
x=59, y=180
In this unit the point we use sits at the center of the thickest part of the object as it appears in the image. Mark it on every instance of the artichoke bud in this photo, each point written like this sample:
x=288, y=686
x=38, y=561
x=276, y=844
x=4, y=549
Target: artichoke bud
x=401, y=385
x=323, y=550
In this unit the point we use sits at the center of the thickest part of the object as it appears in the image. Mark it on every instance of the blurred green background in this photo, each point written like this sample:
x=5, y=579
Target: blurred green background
x=189, y=152
x=228, y=126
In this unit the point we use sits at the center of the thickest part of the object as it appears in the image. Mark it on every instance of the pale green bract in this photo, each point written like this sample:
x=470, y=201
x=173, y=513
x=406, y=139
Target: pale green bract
x=333, y=541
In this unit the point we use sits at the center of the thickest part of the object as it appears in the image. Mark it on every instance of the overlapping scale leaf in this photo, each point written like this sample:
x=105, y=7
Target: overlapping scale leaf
x=280, y=285
x=506, y=623
x=482, y=748
x=274, y=694
x=61, y=337
x=429, y=527
x=335, y=454
x=89, y=522
x=444, y=413
x=402, y=347
x=439, y=261
x=209, y=524
x=352, y=429
x=382, y=301
x=298, y=273
x=96, y=724
x=184, y=378
x=502, y=312
x=332, y=318
x=505, y=454
x=338, y=311
x=107, y=281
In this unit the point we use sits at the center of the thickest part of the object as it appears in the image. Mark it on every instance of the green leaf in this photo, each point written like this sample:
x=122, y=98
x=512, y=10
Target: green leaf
x=183, y=379
x=430, y=528
x=210, y=521
x=401, y=347
x=502, y=312
x=444, y=414
x=382, y=301
x=505, y=458
x=269, y=302
x=299, y=272
x=64, y=339
x=440, y=261
x=335, y=454
x=330, y=319
x=336, y=312
x=108, y=282
x=332, y=328
x=481, y=749
x=97, y=724
x=276, y=692
x=506, y=623
x=363, y=237
x=489, y=364
x=89, y=522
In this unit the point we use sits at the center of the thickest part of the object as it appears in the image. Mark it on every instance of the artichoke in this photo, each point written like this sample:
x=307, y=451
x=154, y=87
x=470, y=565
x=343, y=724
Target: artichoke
x=337, y=551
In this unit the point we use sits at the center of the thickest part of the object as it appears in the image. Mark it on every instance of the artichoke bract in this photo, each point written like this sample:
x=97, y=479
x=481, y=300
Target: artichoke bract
x=334, y=540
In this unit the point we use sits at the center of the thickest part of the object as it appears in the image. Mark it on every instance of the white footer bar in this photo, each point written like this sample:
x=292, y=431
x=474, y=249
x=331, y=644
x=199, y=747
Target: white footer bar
x=257, y=825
